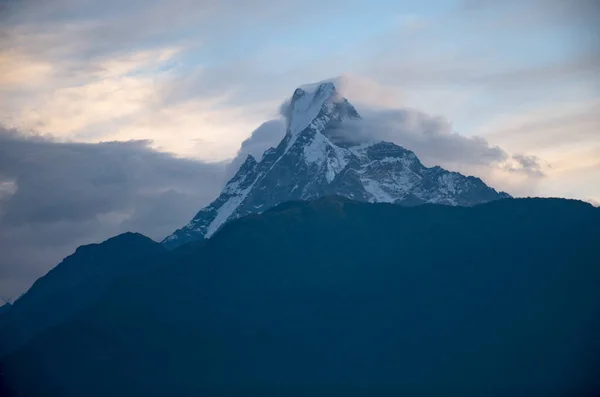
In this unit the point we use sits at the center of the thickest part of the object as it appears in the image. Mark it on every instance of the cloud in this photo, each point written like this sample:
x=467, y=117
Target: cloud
x=555, y=127
x=365, y=91
x=133, y=96
x=430, y=137
x=55, y=196
x=529, y=165
x=267, y=135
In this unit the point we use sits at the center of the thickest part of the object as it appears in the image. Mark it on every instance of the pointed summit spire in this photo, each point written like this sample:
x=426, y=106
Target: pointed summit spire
x=307, y=102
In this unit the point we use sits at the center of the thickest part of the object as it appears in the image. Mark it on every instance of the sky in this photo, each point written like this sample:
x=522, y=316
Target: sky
x=118, y=116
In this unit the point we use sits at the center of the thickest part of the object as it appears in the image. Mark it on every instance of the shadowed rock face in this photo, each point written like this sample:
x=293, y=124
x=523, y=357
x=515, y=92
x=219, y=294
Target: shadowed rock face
x=336, y=297
x=313, y=161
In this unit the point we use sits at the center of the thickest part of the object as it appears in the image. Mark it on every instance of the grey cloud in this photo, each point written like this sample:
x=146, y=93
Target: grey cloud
x=527, y=164
x=564, y=9
x=582, y=14
x=243, y=81
x=56, y=196
x=267, y=135
x=87, y=179
x=431, y=138
x=9, y=7
x=113, y=26
x=285, y=110
x=494, y=32
x=452, y=73
x=561, y=129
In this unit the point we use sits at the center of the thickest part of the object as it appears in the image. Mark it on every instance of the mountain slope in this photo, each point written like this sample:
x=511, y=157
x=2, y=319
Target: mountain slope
x=335, y=297
x=74, y=284
x=313, y=161
x=4, y=308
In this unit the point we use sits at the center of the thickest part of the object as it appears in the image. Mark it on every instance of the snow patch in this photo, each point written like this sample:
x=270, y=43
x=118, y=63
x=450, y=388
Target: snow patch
x=336, y=163
x=376, y=191
x=321, y=150
x=316, y=150
x=225, y=211
x=448, y=184
x=360, y=150
x=307, y=104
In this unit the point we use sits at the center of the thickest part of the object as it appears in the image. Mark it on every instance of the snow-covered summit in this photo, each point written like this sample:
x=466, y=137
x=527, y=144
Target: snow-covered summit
x=306, y=104
x=309, y=163
x=316, y=106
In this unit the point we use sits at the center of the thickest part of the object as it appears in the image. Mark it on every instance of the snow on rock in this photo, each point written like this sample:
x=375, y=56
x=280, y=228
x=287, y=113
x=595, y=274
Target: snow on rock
x=225, y=212
x=316, y=151
x=321, y=152
x=336, y=163
x=378, y=195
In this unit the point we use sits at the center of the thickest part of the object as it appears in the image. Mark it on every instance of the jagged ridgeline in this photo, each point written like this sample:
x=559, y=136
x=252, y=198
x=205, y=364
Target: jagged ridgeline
x=311, y=162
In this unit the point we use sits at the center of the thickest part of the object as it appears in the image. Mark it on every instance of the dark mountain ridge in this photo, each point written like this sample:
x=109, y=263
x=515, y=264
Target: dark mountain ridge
x=74, y=284
x=336, y=297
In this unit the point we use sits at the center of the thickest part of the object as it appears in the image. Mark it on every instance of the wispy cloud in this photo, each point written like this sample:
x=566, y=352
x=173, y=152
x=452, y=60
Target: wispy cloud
x=529, y=165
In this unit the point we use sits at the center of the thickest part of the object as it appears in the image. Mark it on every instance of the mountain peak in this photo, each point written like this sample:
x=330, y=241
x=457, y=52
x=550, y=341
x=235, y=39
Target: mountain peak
x=249, y=162
x=315, y=159
x=307, y=102
x=326, y=86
